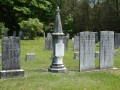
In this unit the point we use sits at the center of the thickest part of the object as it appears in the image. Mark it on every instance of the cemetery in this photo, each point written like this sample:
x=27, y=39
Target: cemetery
x=87, y=61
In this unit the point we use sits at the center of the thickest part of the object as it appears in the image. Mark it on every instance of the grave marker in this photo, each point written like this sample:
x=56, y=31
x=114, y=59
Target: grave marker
x=11, y=58
x=106, y=49
x=87, y=41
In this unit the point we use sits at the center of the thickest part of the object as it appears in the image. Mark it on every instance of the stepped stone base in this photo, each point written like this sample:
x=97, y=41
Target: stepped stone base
x=57, y=70
x=11, y=73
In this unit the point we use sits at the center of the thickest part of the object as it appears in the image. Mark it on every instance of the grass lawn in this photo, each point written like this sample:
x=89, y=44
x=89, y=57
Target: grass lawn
x=37, y=76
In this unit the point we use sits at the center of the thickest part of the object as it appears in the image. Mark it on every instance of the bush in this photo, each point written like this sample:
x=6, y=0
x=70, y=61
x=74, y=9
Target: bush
x=31, y=27
x=3, y=29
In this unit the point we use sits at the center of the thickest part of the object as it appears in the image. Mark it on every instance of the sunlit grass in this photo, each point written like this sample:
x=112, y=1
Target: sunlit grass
x=37, y=76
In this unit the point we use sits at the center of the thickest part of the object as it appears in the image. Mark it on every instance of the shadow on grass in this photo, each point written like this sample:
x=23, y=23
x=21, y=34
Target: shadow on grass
x=40, y=70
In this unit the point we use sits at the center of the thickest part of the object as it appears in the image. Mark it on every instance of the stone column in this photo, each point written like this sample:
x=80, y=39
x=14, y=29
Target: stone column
x=58, y=47
x=106, y=49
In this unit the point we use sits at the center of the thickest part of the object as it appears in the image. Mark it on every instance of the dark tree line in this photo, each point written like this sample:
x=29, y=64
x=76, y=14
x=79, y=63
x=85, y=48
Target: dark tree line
x=76, y=15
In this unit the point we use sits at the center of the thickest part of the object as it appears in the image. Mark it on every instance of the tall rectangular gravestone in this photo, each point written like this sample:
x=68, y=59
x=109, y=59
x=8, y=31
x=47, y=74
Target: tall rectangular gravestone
x=76, y=43
x=87, y=42
x=116, y=40
x=21, y=35
x=11, y=58
x=48, y=42
x=65, y=41
x=106, y=49
x=14, y=33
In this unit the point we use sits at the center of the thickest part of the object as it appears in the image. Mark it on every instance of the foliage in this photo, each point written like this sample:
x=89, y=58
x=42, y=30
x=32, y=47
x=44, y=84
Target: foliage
x=31, y=27
x=14, y=11
x=3, y=29
x=68, y=27
x=92, y=15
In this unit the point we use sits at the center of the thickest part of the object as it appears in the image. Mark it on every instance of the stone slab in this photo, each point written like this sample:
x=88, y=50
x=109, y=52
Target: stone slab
x=76, y=55
x=10, y=53
x=11, y=73
x=59, y=50
x=87, y=41
x=106, y=49
x=30, y=56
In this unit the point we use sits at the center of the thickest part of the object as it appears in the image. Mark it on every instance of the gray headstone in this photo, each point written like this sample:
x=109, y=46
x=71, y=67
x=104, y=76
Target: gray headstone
x=14, y=33
x=11, y=58
x=65, y=41
x=73, y=43
x=21, y=35
x=116, y=40
x=48, y=42
x=10, y=53
x=106, y=49
x=87, y=42
x=76, y=55
x=119, y=39
x=76, y=43
x=5, y=34
x=96, y=37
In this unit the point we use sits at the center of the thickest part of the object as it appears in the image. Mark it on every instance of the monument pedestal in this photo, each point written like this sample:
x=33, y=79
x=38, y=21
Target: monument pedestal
x=11, y=73
x=57, y=69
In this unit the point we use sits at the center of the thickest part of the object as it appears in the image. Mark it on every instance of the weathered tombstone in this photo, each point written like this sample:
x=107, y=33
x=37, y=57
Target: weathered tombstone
x=21, y=35
x=76, y=43
x=68, y=35
x=65, y=41
x=106, y=49
x=5, y=34
x=58, y=47
x=119, y=39
x=87, y=42
x=116, y=40
x=48, y=42
x=96, y=37
x=11, y=58
x=14, y=33
x=73, y=42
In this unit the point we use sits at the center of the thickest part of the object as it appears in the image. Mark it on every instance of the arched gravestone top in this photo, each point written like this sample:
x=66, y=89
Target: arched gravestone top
x=10, y=53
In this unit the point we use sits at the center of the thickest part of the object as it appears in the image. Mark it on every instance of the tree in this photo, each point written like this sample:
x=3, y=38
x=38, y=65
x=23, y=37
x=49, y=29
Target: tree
x=14, y=11
x=31, y=27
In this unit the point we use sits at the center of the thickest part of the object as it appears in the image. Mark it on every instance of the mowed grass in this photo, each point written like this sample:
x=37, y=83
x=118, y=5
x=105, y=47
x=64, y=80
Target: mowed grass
x=37, y=76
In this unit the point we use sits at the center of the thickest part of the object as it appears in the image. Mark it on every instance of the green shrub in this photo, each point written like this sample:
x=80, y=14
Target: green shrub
x=31, y=27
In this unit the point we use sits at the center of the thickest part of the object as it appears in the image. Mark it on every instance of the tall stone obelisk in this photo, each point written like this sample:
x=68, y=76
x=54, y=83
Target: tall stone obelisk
x=58, y=46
